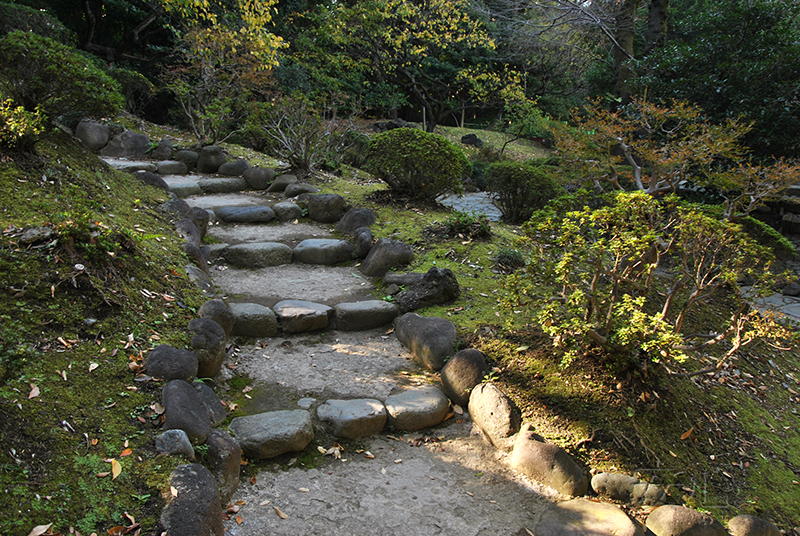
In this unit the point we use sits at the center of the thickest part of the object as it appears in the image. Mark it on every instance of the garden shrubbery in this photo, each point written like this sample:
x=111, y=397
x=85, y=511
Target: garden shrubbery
x=417, y=164
x=521, y=188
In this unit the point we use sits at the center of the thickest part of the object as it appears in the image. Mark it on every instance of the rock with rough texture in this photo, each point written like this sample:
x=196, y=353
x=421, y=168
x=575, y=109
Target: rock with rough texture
x=187, y=230
x=198, y=254
x=234, y=168
x=184, y=410
x=254, y=320
x=355, y=218
x=744, y=525
x=216, y=411
x=185, y=189
x=293, y=190
x=177, y=206
x=792, y=289
x=671, y=520
x=547, y=463
x=222, y=185
x=431, y=340
x=362, y=238
x=207, y=340
x=417, y=408
x=189, y=158
x=258, y=254
x=363, y=315
x=324, y=251
x=248, y=214
x=224, y=460
x=628, y=489
x=172, y=167
x=175, y=442
x=127, y=144
x=408, y=279
x=259, y=178
x=281, y=182
x=210, y=159
x=351, y=419
x=218, y=311
x=167, y=363
x=296, y=316
x=94, y=135
x=193, y=508
x=36, y=234
x=287, y=211
x=462, y=373
x=385, y=255
x=438, y=285
x=148, y=177
x=270, y=434
x=200, y=217
x=495, y=414
x=163, y=151
x=326, y=208
x=200, y=279
x=582, y=517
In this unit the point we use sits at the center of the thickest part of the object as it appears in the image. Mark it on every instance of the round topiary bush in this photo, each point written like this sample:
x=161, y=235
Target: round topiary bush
x=521, y=188
x=416, y=163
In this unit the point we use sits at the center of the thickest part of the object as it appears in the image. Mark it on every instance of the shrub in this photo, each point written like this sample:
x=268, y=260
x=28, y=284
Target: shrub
x=417, y=163
x=37, y=72
x=19, y=17
x=509, y=260
x=521, y=188
x=19, y=127
x=468, y=225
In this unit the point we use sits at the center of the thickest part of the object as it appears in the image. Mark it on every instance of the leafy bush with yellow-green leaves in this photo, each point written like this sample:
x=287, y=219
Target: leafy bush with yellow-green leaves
x=19, y=127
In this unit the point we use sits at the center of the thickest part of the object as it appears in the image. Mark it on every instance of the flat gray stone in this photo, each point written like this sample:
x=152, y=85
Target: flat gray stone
x=287, y=211
x=184, y=188
x=134, y=166
x=222, y=185
x=281, y=182
x=270, y=434
x=293, y=190
x=430, y=339
x=582, y=517
x=495, y=414
x=253, y=320
x=258, y=254
x=171, y=167
x=547, y=463
x=363, y=315
x=352, y=419
x=234, y=168
x=325, y=251
x=417, y=408
x=296, y=316
x=672, y=520
x=247, y=214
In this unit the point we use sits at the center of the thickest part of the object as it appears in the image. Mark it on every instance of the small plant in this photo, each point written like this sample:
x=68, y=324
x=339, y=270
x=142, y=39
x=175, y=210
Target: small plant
x=520, y=188
x=416, y=163
x=509, y=260
x=468, y=225
x=19, y=128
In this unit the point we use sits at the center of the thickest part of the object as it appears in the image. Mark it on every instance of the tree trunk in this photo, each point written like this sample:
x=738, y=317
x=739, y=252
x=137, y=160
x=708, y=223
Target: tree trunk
x=623, y=51
x=657, y=15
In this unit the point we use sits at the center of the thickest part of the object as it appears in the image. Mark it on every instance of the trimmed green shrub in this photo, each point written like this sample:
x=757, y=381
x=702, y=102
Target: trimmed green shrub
x=521, y=188
x=36, y=71
x=19, y=17
x=416, y=163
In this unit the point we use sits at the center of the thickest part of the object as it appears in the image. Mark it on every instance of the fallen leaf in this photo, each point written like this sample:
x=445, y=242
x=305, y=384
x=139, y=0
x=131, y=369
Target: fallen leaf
x=173, y=491
x=102, y=475
x=369, y=455
x=94, y=442
x=323, y=450
x=40, y=529
x=263, y=503
x=687, y=433
x=280, y=513
x=253, y=480
x=157, y=408
x=116, y=469
x=93, y=366
x=470, y=494
x=673, y=454
x=383, y=470
x=64, y=374
x=458, y=409
x=529, y=532
x=129, y=518
x=239, y=520
x=303, y=490
x=116, y=531
x=34, y=393
x=449, y=415
x=126, y=452
x=522, y=348
x=398, y=461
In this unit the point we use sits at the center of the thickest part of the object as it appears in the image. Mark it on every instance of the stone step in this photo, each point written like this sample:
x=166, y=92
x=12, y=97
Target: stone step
x=129, y=165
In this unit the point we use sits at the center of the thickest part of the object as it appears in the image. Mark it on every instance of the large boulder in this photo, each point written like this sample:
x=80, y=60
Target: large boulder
x=193, y=508
x=352, y=419
x=224, y=460
x=168, y=363
x=270, y=434
x=258, y=254
x=184, y=410
x=296, y=316
x=259, y=178
x=325, y=251
x=672, y=520
x=326, y=208
x=431, y=340
x=583, y=517
x=627, y=489
x=439, y=285
x=218, y=311
x=127, y=144
x=494, y=414
x=547, y=463
x=354, y=219
x=207, y=339
x=234, y=168
x=94, y=135
x=385, y=255
x=363, y=315
x=211, y=157
x=417, y=408
x=462, y=373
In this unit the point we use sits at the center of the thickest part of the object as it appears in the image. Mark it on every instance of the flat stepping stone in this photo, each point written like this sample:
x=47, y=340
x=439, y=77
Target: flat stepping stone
x=247, y=214
x=172, y=167
x=253, y=320
x=258, y=255
x=230, y=199
x=352, y=419
x=580, y=517
x=287, y=211
x=183, y=186
x=268, y=233
x=296, y=316
x=325, y=251
x=363, y=315
x=223, y=185
x=129, y=166
x=270, y=434
x=418, y=408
